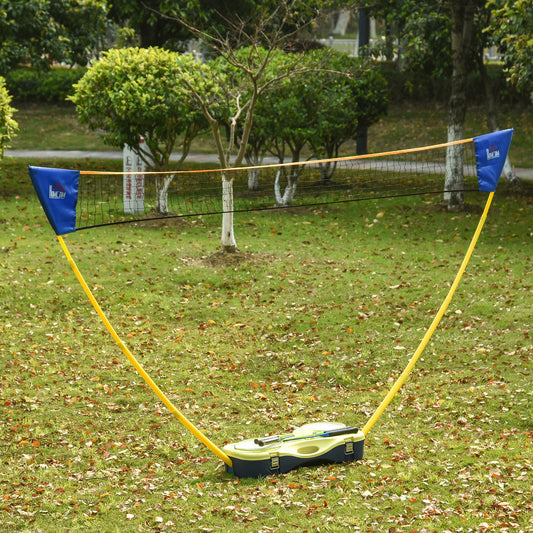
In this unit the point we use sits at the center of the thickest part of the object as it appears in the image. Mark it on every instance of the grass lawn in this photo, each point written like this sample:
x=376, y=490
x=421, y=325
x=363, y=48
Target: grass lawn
x=51, y=126
x=56, y=127
x=313, y=320
x=410, y=126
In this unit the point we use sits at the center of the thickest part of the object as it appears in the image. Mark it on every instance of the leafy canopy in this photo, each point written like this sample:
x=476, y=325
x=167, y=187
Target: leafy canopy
x=43, y=32
x=134, y=92
x=8, y=126
x=512, y=25
x=322, y=106
x=167, y=23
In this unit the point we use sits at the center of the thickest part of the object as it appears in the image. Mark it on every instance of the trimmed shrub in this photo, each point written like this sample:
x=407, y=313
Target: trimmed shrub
x=28, y=85
x=8, y=126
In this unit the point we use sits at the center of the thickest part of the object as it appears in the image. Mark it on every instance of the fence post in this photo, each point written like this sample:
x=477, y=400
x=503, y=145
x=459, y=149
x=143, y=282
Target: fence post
x=133, y=184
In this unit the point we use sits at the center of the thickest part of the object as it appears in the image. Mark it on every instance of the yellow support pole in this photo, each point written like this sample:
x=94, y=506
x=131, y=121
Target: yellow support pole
x=401, y=380
x=191, y=427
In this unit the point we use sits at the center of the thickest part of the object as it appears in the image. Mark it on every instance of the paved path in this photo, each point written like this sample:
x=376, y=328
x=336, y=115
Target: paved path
x=81, y=154
x=523, y=173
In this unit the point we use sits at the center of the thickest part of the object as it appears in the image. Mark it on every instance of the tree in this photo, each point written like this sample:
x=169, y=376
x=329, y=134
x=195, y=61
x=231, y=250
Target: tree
x=291, y=113
x=8, y=126
x=318, y=111
x=346, y=104
x=261, y=131
x=481, y=15
x=512, y=27
x=447, y=39
x=491, y=99
x=44, y=32
x=466, y=51
x=462, y=12
x=136, y=92
x=268, y=31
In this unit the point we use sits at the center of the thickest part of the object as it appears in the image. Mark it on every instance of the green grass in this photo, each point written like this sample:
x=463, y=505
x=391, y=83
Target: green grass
x=55, y=127
x=312, y=321
x=409, y=126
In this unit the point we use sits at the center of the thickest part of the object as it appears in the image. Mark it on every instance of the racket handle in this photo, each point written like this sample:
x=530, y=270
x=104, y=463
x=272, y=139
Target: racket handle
x=341, y=431
x=263, y=441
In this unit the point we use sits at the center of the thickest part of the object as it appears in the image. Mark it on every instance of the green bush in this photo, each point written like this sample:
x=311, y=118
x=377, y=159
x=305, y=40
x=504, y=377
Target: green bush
x=134, y=91
x=29, y=85
x=8, y=126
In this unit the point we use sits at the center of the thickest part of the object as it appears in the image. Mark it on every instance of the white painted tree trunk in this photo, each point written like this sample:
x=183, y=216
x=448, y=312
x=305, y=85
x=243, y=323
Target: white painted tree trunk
x=253, y=159
x=228, y=236
x=161, y=187
x=454, y=180
x=285, y=199
x=253, y=179
x=462, y=30
x=326, y=171
x=509, y=174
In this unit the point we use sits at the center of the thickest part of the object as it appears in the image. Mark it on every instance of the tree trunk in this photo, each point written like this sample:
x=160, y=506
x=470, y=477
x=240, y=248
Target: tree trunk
x=227, y=241
x=364, y=31
x=253, y=179
x=327, y=170
x=229, y=244
x=161, y=189
x=462, y=28
x=364, y=40
x=454, y=184
x=400, y=59
x=253, y=159
x=285, y=199
x=361, y=141
x=512, y=180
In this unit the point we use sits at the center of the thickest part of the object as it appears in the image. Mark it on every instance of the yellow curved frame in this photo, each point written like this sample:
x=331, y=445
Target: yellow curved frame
x=189, y=425
x=401, y=380
x=390, y=395
x=381, y=408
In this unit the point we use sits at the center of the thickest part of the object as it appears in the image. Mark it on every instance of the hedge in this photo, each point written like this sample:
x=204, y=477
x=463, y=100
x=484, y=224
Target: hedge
x=8, y=126
x=28, y=85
